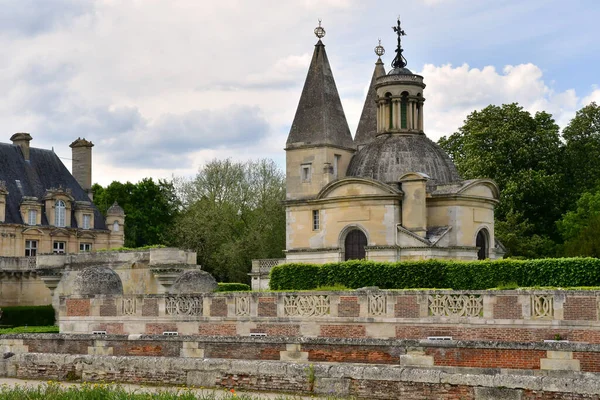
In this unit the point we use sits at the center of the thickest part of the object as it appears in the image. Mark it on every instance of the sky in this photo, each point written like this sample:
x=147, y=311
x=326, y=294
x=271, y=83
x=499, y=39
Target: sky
x=163, y=87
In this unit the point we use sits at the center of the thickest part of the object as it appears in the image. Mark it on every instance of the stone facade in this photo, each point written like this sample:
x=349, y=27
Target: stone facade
x=391, y=194
x=44, y=209
x=40, y=280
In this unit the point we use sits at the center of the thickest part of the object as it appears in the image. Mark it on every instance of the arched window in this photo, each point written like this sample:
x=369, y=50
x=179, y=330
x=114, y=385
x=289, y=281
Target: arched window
x=404, y=111
x=59, y=213
x=482, y=242
x=116, y=226
x=354, y=245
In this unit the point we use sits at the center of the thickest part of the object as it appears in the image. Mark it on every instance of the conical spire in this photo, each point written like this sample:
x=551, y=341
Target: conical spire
x=320, y=118
x=367, y=125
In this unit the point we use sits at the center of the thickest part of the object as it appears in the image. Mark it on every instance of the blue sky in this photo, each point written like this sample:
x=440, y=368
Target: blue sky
x=162, y=87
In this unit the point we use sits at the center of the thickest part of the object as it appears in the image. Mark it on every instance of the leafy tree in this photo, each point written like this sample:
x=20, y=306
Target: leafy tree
x=522, y=153
x=580, y=227
x=232, y=213
x=150, y=208
x=582, y=151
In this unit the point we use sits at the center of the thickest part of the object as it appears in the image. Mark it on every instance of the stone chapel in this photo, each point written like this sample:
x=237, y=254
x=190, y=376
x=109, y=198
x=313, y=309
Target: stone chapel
x=389, y=194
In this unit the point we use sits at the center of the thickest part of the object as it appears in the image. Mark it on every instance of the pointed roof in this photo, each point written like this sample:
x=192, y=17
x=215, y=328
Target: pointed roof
x=367, y=126
x=320, y=118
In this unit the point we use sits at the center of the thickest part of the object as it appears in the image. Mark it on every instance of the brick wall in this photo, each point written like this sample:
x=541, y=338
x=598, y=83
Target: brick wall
x=150, y=307
x=218, y=307
x=209, y=329
x=581, y=308
x=267, y=307
x=406, y=307
x=507, y=307
x=487, y=358
x=78, y=307
x=277, y=329
x=343, y=331
x=108, y=308
x=158, y=329
x=348, y=306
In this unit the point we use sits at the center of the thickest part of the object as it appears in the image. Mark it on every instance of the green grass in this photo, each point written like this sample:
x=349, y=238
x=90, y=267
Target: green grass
x=29, y=329
x=99, y=391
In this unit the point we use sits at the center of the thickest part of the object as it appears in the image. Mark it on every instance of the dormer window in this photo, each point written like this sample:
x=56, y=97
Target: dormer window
x=87, y=221
x=59, y=213
x=116, y=226
x=32, y=217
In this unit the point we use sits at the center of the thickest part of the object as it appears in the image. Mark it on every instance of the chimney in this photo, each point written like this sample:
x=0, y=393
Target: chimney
x=22, y=140
x=82, y=164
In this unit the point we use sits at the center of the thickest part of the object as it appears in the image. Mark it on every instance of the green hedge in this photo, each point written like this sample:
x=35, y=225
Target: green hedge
x=232, y=287
x=458, y=275
x=27, y=315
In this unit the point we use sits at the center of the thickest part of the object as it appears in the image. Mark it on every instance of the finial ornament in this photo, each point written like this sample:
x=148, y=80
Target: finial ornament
x=399, y=61
x=319, y=31
x=379, y=50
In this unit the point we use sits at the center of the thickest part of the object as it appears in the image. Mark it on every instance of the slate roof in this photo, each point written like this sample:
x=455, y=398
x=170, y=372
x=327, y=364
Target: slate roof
x=43, y=171
x=367, y=125
x=320, y=118
x=387, y=157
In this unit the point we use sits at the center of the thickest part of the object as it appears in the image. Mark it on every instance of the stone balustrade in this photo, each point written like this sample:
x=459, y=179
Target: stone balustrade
x=519, y=315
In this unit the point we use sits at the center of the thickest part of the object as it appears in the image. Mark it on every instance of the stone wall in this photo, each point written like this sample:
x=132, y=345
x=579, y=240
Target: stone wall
x=542, y=356
x=505, y=316
x=360, y=380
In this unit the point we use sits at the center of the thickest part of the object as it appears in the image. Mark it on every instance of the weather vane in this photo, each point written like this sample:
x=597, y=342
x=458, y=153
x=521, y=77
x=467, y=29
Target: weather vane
x=399, y=61
x=319, y=31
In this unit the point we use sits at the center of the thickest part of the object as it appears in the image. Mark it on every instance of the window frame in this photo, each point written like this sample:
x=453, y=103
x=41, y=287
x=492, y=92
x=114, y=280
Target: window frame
x=85, y=247
x=31, y=246
x=31, y=213
x=86, y=221
x=305, y=178
x=316, y=220
x=56, y=247
x=60, y=214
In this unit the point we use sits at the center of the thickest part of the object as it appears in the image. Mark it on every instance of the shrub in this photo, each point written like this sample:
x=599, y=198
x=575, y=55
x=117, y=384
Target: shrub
x=232, y=287
x=458, y=275
x=28, y=315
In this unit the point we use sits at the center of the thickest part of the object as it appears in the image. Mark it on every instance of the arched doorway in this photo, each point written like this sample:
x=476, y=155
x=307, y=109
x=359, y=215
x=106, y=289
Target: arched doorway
x=482, y=242
x=354, y=245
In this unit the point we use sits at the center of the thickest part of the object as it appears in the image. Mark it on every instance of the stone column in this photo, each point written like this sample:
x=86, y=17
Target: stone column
x=395, y=118
x=414, y=114
x=421, y=116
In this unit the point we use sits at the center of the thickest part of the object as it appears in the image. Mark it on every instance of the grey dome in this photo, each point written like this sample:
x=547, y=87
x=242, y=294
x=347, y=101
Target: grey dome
x=194, y=281
x=400, y=71
x=390, y=156
x=97, y=280
x=115, y=209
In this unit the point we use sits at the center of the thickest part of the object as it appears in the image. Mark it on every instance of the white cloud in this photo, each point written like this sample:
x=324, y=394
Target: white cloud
x=452, y=93
x=593, y=97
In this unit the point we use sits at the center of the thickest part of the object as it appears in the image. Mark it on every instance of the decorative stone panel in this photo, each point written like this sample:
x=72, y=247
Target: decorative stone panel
x=448, y=305
x=183, y=305
x=542, y=306
x=129, y=306
x=377, y=305
x=306, y=305
x=242, y=306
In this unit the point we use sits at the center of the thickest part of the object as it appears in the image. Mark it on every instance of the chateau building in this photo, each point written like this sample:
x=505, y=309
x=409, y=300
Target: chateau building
x=45, y=209
x=390, y=193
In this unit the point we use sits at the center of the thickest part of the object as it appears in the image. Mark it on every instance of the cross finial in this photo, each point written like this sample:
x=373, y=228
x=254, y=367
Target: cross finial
x=399, y=61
